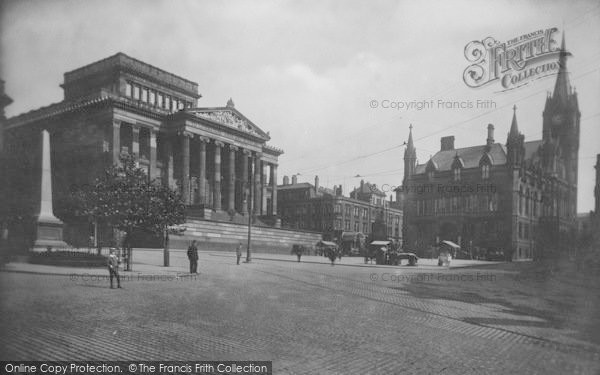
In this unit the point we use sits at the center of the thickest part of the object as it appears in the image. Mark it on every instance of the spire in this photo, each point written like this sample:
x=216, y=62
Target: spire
x=562, y=87
x=410, y=147
x=410, y=156
x=514, y=128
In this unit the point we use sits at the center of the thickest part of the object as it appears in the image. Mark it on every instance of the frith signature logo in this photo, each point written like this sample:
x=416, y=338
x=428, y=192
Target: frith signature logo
x=515, y=62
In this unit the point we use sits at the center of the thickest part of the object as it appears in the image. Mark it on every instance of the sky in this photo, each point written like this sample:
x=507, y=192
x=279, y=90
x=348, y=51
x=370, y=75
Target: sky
x=320, y=76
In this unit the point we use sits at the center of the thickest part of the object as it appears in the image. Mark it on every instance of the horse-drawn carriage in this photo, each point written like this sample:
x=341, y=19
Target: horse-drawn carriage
x=386, y=252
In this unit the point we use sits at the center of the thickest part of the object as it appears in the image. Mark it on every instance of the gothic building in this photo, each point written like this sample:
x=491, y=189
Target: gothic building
x=217, y=157
x=517, y=198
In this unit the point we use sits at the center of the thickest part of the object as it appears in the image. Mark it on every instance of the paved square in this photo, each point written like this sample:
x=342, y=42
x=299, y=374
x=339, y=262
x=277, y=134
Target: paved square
x=308, y=317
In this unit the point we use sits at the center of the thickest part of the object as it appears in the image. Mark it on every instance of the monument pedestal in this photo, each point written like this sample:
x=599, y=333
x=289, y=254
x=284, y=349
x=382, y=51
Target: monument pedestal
x=49, y=233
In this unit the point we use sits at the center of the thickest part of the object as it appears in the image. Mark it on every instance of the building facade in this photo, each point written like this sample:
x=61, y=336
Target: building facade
x=312, y=207
x=216, y=157
x=517, y=198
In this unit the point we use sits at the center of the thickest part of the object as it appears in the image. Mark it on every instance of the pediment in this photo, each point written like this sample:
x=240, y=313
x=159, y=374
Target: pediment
x=229, y=117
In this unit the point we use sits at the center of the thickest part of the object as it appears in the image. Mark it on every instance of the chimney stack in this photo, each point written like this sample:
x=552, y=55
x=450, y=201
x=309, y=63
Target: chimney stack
x=447, y=143
x=490, y=137
x=294, y=179
x=286, y=180
x=316, y=184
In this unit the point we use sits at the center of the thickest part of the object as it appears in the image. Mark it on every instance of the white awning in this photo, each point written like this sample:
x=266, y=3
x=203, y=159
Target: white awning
x=451, y=244
x=380, y=243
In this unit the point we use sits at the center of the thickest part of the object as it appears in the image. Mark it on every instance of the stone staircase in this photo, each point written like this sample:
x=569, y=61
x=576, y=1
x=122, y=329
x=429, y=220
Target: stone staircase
x=226, y=235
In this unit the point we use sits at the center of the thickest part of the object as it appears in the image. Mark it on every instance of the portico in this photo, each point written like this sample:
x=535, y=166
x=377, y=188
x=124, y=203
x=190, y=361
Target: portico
x=214, y=156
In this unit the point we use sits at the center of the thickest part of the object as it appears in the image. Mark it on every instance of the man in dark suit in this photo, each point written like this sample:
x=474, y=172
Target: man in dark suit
x=192, y=254
x=113, y=268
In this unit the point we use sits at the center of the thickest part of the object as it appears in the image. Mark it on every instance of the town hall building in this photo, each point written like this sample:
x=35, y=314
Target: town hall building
x=516, y=199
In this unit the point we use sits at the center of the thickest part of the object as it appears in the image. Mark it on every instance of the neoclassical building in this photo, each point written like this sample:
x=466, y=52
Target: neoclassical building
x=518, y=198
x=218, y=158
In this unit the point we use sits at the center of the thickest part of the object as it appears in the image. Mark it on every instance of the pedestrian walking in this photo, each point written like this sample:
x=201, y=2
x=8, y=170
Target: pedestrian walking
x=238, y=253
x=113, y=268
x=192, y=254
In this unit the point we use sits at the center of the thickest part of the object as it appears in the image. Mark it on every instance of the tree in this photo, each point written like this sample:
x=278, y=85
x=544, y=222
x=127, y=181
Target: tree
x=126, y=200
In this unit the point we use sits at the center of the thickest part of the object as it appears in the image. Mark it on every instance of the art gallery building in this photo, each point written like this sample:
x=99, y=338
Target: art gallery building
x=216, y=157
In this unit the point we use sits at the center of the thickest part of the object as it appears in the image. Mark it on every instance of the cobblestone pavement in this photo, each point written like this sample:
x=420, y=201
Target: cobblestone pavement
x=308, y=318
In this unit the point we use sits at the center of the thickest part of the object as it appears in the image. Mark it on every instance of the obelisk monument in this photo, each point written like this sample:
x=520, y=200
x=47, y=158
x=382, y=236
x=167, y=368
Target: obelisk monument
x=49, y=228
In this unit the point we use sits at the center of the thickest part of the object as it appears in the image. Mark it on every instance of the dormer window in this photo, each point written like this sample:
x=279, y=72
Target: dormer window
x=485, y=163
x=430, y=175
x=485, y=171
x=456, y=174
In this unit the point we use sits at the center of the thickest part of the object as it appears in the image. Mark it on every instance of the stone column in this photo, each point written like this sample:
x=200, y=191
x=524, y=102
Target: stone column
x=257, y=185
x=217, y=183
x=231, y=187
x=245, y=185
x=152, y=170
x=202, y=172
x=168, y=162
x=264, y=183
x=185, y=167
x=135, y=141
x=116, y=141
x=274, y=188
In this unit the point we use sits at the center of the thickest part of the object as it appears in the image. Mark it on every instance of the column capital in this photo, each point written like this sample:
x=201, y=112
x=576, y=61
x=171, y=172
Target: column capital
x=185, y=134
x=116, y=123
x=202, y=138
x=219, y=143
x=233, y=148
x=135, y=128
x=246, y=152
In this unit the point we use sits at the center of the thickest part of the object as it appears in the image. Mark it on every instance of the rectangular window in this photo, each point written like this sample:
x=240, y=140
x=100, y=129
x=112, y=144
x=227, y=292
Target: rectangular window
x=151, y=97
x=136, y=92
x=160, y=99
x=128, y=89
x=144, y=94
x=167, y=102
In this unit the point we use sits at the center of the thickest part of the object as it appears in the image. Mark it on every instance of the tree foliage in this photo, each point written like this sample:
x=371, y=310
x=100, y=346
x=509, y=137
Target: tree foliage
x=125, y=199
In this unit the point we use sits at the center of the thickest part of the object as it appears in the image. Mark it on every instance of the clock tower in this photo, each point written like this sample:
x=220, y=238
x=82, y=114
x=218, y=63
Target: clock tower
x=561, y=126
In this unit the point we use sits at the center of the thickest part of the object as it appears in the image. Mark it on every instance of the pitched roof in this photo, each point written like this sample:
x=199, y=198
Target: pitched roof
x=470, y=157
x=531, y=148
x=368, y=188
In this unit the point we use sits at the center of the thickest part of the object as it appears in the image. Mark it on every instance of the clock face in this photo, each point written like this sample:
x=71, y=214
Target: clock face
x=556, y=119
